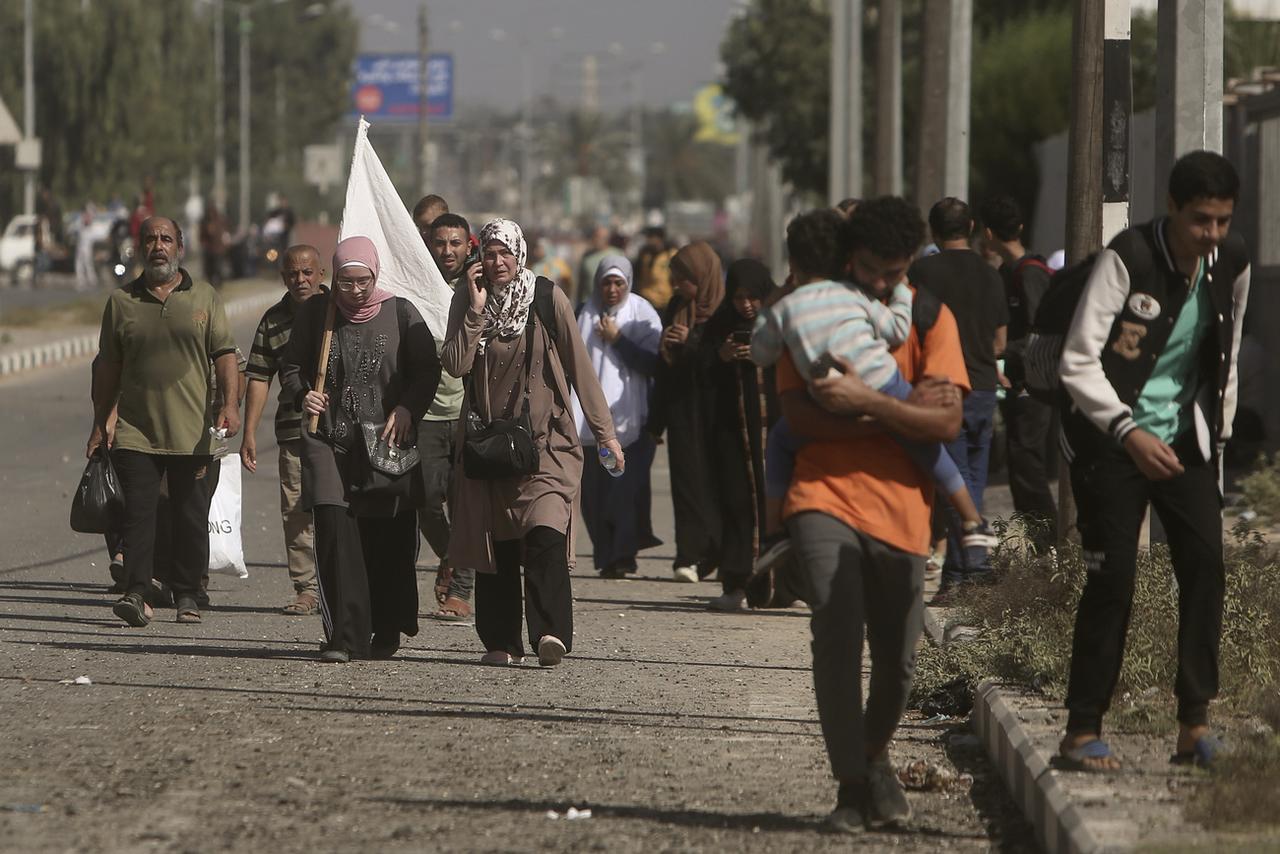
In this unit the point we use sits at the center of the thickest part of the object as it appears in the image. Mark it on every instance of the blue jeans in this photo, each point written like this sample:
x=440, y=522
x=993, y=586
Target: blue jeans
x=972, y=451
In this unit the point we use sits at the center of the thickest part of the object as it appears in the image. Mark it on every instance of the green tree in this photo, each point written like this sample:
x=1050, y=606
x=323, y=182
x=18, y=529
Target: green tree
x=678, y=167
x=777, y=71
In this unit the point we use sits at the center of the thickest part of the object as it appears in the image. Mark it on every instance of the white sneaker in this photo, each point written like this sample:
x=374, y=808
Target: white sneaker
x=734, y=600
x=686, y=574
x=550, y=651
x=498, y=658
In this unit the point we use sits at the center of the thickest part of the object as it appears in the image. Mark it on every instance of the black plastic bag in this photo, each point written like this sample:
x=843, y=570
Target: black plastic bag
x=98, y=505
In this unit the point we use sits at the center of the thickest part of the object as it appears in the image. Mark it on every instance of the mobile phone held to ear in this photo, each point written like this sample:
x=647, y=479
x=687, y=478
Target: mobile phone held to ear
x=825, y=366
x=742, y=336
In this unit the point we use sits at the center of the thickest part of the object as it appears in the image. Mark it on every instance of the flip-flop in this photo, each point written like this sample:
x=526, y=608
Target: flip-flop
x=1076, y=758
x=1203, y=755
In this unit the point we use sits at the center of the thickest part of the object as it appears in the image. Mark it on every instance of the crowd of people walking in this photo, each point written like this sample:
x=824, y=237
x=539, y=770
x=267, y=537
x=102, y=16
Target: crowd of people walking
x=808, y=425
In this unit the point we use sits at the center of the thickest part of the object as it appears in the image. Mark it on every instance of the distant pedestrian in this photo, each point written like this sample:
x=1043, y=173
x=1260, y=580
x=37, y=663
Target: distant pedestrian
x=621, y=333
x=428, y=209
x=550, y=266
x=974, y=293
x=515, y=340
x=681, y=408
x=653, y=267
x=597, y=247
x=1027, y=421
x=213, y=244
x=449, y=241
x=86, y=236
x=159, y=336
x=303, y=274
x=1149, y=363
x=744, y=407
x=380, y=377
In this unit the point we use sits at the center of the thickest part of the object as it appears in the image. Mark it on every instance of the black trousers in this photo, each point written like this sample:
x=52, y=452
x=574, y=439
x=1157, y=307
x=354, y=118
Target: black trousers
x=365, y=566
x=735, y=489
x=188, y=523
x=1112, y=496
x=697, y=515
x=548, y=595
x=1027, y=423
x=615, y=510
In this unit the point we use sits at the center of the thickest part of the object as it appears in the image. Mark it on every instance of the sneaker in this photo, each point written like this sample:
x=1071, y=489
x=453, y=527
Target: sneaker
x=888, y=802
x=776, y=553
x=550, y=651
x=132, y=609
x=335, y=656
x=849, y=816
x=685, y=574
x=498, y=658
x=734, y=600
x=978, y=535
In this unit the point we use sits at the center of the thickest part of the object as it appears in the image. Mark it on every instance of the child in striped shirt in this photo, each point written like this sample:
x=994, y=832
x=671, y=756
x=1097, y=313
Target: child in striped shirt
x=821, y=319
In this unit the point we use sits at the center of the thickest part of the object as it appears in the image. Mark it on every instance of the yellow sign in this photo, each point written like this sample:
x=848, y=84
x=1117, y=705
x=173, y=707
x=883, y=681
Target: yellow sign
x=716, y=122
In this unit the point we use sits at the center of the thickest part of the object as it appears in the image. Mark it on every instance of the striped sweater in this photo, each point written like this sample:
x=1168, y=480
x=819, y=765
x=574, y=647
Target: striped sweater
x=836, y=318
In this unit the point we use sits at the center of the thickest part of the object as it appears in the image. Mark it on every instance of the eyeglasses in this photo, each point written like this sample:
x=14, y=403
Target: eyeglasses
x=361, y=284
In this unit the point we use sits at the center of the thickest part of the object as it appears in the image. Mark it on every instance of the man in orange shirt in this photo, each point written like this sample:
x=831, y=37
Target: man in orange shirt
x=858, y=514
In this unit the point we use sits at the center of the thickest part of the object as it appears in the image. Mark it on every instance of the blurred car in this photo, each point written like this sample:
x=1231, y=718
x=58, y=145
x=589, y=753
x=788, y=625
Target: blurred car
x=18, y=247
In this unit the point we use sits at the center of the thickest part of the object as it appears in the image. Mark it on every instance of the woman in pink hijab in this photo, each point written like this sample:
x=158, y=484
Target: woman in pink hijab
x=358, y=475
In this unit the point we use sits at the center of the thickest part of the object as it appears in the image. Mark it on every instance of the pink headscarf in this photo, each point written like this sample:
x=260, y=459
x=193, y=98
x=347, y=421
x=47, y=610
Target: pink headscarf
x=358, y=252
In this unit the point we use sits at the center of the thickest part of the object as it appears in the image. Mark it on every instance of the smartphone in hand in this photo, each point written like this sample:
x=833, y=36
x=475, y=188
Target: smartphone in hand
x=742, y=336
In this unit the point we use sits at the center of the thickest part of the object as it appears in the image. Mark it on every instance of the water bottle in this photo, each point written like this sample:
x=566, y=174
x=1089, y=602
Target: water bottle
x=610, y=462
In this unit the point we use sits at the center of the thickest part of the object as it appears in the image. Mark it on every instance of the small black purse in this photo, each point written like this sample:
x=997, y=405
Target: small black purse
x=502, y=448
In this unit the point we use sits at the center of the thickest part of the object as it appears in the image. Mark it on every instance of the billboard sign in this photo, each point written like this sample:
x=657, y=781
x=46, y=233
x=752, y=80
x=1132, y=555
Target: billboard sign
x=384, y=87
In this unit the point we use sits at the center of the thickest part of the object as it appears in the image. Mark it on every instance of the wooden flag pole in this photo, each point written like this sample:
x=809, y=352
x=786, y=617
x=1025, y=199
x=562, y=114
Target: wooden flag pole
x=322, y=369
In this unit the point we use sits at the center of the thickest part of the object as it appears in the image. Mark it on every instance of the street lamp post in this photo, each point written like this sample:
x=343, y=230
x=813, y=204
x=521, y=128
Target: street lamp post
x=245, y=26
x=28, y=101
x=219, y=112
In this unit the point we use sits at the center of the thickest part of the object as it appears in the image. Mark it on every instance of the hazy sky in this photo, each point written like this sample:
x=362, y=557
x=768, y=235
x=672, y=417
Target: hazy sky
x=668, y=47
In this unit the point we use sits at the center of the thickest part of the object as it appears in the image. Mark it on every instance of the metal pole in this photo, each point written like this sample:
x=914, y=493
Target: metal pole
x=219, y=111
x=526, y=143
x=955, y=180
x=28, y=101
x=245, y=26
x=424, y=180
x=1117, y=118
x=889, y=99
x=1188, y=83
x=853, y=94
x=931, y=152
x=839, y=104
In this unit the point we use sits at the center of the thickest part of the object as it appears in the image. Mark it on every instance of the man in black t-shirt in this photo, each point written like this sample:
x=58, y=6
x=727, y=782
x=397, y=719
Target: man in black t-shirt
x=972, y=289
x=1027, y=421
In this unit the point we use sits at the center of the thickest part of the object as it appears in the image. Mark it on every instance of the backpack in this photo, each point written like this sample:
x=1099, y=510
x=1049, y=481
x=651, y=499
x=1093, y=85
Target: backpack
x=1043, y=349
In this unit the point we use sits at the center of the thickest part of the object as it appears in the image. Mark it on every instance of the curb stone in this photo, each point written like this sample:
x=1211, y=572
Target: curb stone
x=84, y=346
x=1059, y=826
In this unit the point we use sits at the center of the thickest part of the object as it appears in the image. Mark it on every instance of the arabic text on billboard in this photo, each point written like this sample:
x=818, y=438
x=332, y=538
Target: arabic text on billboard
x=385, y=86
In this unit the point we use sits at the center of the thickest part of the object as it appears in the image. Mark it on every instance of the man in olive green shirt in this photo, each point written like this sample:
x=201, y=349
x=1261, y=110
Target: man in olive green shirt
x=159, y=335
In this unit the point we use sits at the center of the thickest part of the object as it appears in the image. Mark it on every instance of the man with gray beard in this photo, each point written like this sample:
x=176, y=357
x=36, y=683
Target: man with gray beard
x=159, y=335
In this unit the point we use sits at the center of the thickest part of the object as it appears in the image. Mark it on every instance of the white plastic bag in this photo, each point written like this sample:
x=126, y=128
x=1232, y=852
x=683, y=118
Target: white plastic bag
x=226, y=551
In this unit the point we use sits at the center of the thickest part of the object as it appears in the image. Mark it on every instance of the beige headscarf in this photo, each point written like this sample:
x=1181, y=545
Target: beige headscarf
x=700, y=264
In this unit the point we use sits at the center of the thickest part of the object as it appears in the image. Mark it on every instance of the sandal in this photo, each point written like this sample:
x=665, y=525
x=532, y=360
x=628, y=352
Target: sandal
x=444, y=577
x=305, y=605
x=133, y=610
x=453, y=609
x=188, y=610
x=1203, y=755
x=1084, y=757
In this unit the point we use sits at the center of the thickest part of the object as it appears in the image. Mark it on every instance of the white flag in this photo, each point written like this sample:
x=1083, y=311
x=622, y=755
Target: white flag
x=374, y=210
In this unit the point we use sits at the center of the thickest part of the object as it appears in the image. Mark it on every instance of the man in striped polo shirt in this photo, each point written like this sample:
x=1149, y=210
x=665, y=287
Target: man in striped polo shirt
x=303, y=274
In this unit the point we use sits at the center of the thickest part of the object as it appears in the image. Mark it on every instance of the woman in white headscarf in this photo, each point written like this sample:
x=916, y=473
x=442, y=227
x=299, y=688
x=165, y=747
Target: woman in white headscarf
x=513, y=337
x=622, y=333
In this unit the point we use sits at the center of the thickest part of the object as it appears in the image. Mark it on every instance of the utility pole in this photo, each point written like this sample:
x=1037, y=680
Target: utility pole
x=943, y=161
x=1098, y=166
x=246, y=25
x=889, y=98
x=845, y=144
x=1188, y=83
x=219, y=111
x=28, y=101
x=424, y=180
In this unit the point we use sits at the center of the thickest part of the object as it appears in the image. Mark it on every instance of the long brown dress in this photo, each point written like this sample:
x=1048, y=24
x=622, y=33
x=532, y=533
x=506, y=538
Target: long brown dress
x=493, y=511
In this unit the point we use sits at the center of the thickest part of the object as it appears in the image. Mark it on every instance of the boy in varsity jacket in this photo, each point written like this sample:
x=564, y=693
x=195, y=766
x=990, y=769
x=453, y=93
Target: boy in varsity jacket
x=1149, y=367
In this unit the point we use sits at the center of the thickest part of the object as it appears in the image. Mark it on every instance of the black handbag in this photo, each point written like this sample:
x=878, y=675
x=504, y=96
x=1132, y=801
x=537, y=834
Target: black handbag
x=98, y=505
x=502, y=448
x=386, y=456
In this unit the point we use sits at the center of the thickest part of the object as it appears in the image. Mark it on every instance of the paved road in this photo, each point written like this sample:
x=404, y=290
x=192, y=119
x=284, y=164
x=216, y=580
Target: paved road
x=679, y=729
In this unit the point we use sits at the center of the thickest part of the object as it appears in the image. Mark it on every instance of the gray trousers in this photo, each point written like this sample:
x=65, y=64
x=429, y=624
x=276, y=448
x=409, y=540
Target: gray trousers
x=854, y=581
x=436, y=445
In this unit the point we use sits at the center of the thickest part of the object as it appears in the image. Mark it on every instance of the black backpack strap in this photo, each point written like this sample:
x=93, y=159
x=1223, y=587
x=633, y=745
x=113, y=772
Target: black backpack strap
x=925, y=308
x=544, y=306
